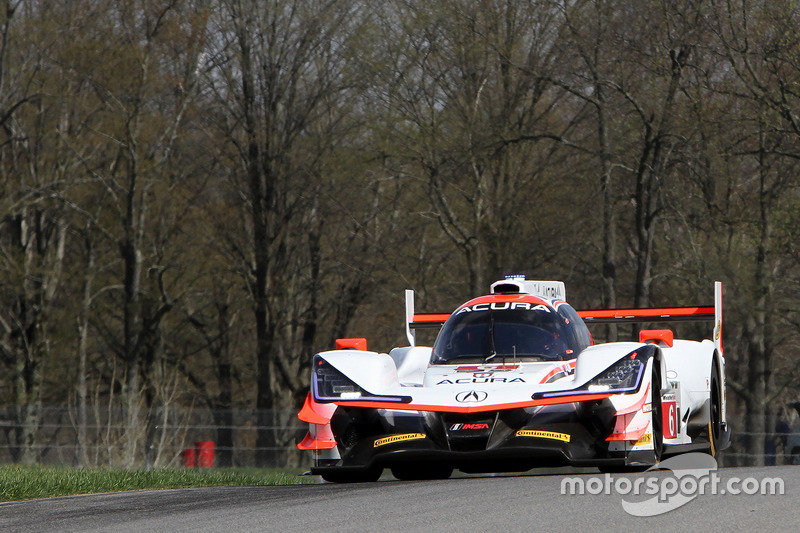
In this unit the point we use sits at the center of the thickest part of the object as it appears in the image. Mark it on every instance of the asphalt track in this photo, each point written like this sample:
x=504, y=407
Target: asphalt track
x=514, y=503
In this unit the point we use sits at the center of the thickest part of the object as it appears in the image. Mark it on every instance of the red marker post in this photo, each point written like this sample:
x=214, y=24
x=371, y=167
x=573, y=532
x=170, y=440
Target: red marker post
x=204, y=450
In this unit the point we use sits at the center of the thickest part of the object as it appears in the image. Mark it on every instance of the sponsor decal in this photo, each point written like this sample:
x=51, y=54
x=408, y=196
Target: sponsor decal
x=465, y=427
x=552, y=435
x=502, y=306
x=487, y=368
x=647, y=438
x=548, y=290
x=398, y=438
x=461, y=381
x=472, y=396
x=560, y=371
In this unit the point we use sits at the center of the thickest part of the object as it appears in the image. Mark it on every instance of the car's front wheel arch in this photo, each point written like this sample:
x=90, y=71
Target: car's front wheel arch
x=657, y=418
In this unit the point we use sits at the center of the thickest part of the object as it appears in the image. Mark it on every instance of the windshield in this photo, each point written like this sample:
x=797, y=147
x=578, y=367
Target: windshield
x=536, y=334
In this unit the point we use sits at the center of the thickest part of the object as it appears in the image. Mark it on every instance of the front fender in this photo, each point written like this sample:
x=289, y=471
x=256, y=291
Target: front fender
x=372, y=371
x=595, y=359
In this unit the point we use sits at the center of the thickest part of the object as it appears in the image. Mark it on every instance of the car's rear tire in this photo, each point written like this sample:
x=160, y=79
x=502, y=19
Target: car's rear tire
x=409, y=472
x=367, y=476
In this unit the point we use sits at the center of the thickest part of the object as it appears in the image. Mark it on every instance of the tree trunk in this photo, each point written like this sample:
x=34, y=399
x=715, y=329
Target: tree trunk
x=223, y=411
x=757, y=331
x=131, y=387
x=83, y=337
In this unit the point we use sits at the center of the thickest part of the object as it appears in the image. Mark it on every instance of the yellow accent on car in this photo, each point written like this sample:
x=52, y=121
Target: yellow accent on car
x=398, y=438
x=552, y=435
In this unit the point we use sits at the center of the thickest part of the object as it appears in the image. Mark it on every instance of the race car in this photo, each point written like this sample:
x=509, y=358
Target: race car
x=513, y=382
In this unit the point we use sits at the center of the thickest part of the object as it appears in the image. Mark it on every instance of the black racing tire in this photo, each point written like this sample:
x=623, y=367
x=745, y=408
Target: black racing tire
x=715, y=411
x=657, y=418
x=410, y=472
x=367, y=476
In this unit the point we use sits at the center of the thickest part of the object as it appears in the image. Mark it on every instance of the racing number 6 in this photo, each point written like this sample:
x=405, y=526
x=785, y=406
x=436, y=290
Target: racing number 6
x=670, y=420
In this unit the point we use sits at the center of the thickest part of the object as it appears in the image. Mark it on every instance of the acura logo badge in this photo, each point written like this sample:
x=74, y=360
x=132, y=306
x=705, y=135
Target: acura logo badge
x=471, y=396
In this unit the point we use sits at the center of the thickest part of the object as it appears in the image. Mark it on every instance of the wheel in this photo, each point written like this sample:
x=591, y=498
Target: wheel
x=409, y=472
x=366, y=476
x=715, y=415
x=657, y=419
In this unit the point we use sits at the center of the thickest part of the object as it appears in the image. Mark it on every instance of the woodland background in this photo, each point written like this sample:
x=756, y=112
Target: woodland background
x=197, y=195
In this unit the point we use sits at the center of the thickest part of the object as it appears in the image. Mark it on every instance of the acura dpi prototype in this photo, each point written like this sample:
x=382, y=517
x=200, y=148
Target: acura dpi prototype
x=513, y=382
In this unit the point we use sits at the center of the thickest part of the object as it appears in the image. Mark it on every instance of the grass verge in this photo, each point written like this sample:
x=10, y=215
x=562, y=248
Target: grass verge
x=30, y=482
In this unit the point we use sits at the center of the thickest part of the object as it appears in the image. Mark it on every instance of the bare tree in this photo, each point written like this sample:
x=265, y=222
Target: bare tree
x=280, y=79
x=33, y=227
x=759, y=43
x=473, y=122
x=136, y=103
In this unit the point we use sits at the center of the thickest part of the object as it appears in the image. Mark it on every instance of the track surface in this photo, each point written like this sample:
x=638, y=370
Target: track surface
x=518, y=503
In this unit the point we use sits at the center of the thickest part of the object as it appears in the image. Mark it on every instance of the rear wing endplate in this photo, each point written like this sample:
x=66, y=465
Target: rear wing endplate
x=420, y=320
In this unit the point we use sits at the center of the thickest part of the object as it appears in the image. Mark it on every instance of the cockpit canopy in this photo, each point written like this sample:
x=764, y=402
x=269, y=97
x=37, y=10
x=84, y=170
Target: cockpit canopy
x=519, y=328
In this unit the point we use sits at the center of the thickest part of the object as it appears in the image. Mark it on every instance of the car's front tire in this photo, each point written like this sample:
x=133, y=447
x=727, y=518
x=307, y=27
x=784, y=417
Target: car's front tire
x=657, y=419
x=715, y=411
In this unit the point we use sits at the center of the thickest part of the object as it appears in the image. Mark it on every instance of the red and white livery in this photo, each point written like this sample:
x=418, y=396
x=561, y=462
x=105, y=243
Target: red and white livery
x=514, y=382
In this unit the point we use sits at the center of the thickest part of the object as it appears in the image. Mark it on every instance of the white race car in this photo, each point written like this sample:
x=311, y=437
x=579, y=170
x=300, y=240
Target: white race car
x=514, y=382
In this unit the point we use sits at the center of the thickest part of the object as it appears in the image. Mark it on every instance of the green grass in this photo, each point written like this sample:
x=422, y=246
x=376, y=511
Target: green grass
x=29, y=482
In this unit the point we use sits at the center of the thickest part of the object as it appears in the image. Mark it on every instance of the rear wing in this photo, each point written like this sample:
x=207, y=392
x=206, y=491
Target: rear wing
x=662, y=314
x=597, y=316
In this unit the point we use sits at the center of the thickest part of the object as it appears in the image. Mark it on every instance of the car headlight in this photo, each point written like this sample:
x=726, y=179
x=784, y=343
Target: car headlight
x=623, y=376
x=330, y=385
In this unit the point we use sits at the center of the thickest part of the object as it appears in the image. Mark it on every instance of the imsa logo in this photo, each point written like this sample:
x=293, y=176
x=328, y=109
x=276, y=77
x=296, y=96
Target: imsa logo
x=469, y=426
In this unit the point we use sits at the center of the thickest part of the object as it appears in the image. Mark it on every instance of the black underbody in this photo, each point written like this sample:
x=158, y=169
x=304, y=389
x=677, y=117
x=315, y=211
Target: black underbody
x=510, y=440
